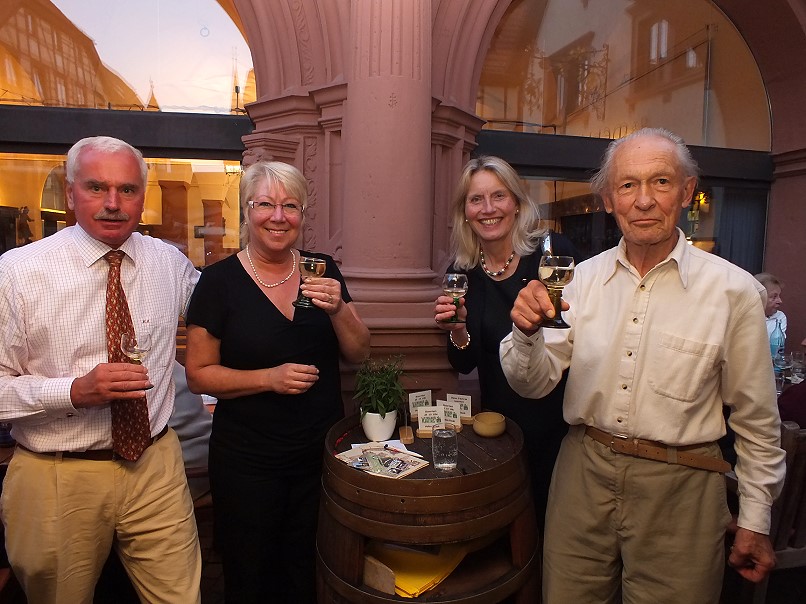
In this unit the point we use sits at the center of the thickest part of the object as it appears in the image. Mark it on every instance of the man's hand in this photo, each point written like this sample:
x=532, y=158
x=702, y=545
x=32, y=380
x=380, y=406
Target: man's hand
x=107, y=382
x=532, y=306
x=752, y=555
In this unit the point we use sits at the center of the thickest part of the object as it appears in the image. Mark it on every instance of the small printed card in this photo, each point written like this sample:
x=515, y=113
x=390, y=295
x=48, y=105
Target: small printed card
x=451, y=413
x=465, y=410
x=429, y=418
x=417, y=400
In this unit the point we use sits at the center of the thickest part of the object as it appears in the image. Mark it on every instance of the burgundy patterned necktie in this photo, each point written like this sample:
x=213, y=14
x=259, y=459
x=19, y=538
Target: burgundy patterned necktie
x=131, y=433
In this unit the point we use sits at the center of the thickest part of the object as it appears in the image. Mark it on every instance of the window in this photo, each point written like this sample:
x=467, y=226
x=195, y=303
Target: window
x=192, y=204
x=188, y=52
x=658, y=42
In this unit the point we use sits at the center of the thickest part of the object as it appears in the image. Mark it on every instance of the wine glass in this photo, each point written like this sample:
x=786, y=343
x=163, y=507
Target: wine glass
x=782, y=361
x=309, y=267
x=135, y=347
x=556, y=272
x=454, y=285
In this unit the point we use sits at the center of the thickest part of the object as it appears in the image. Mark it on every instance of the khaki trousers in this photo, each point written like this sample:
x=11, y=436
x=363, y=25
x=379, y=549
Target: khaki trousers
x=63, y=515
x=650, y=531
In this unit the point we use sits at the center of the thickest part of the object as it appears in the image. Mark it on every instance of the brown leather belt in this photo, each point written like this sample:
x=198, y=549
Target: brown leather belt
x=657, y=451
x=92, y=455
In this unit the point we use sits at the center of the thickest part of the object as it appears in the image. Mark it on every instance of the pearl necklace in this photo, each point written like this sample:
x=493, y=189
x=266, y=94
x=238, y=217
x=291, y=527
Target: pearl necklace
x=496, y=273
x=270, y=285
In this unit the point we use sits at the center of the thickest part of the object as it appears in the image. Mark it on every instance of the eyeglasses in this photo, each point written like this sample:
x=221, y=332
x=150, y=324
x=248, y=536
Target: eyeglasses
x=267, y=207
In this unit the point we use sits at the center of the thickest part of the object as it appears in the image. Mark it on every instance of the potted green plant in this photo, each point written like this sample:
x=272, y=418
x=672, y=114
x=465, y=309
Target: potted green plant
x=379, y=392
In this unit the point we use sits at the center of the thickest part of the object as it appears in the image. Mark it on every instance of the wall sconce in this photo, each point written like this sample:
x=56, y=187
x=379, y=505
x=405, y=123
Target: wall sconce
x=702, y=202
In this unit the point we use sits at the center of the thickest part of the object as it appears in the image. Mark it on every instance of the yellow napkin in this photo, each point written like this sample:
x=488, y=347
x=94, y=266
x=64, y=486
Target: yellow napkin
x=418, y=571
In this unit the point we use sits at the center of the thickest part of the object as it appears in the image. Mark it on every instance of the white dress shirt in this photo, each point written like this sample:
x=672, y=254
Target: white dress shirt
x=656, y=357
x=52, y=324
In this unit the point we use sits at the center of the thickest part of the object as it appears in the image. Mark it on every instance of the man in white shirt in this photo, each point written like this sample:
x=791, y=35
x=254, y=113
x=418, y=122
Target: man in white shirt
x=662, y=334
x=772, y=311
x=69, y=498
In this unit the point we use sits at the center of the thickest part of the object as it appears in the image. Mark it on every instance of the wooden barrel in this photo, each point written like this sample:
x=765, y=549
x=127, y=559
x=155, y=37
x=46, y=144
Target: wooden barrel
x=488, y=495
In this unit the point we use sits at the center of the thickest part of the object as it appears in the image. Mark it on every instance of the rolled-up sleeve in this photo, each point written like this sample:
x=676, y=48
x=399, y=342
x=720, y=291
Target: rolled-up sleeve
x=527, y=365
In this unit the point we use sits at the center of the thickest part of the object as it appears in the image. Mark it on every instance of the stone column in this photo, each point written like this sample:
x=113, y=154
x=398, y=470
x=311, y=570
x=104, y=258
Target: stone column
x=388, y=214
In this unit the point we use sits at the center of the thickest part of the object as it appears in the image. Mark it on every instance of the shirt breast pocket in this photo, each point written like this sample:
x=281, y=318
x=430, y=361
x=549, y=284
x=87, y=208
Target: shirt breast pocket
x=679, y=367
x=162, y=329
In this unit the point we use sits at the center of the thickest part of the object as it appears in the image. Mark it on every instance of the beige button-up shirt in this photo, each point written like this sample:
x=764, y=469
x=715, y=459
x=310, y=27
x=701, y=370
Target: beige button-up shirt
x=656, y=357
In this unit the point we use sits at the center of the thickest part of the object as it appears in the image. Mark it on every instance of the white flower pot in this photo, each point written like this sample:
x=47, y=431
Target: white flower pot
x=379, y=428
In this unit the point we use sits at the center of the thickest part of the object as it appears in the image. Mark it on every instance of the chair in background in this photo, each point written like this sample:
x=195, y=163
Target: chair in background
x=788, y=525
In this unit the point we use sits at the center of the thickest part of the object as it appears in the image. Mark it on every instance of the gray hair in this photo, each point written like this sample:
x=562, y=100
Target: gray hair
x=768, y=279
x=688, y=165
x=273, y=172
x=104, y=144
x=526, y=233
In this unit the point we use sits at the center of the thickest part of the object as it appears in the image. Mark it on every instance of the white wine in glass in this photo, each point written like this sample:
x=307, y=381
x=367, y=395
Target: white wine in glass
x=309, y=267
x=455, y=286
x=556, y=272
x=135, y=347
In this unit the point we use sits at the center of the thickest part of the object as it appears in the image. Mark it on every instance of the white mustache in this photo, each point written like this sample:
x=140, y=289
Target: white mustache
x=119, y=216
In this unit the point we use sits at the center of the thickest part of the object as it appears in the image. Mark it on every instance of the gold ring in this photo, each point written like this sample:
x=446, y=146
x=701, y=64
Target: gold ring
x=330, y=298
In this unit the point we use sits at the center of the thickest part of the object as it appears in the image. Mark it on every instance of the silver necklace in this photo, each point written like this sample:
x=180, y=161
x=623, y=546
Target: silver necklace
x=270, y=285
x=496, y=273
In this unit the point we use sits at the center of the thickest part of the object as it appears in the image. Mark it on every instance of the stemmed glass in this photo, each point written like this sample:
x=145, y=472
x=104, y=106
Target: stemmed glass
x=782, y=361
x=454, y=285
x=556, y=272
x=309, y=267
x=135, y=347
x=798, y=367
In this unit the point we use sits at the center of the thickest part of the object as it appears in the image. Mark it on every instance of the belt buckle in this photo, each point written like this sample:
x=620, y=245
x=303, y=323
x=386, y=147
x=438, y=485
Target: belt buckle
x=614, y=436
x=624, y=439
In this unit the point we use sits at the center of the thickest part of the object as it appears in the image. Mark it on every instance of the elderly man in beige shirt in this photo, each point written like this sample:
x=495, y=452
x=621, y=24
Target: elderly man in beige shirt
x=661, y=335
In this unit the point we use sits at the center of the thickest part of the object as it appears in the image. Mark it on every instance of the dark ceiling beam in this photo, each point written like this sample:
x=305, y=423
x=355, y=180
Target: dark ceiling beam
x=53, y=130
x=576, y=157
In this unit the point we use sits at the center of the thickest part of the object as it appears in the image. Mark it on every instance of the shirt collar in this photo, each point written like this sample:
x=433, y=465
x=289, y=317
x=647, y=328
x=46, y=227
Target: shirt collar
x=680, y=255
x=92, y=250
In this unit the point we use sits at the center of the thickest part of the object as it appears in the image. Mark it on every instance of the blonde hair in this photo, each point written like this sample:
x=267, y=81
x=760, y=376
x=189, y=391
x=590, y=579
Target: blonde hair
x=526, y=233
x=272, y=172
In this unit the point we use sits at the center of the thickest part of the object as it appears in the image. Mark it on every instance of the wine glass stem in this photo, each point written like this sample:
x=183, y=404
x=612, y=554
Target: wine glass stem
x=556, y=296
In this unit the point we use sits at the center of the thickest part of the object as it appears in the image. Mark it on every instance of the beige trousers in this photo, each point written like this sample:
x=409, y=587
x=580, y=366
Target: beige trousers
x=650, y=531
x=62, y=516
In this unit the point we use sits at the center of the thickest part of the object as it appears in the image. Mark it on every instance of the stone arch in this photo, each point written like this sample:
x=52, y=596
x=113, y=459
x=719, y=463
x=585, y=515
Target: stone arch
x=462, y=32
x=773, y=35
x=297, y=45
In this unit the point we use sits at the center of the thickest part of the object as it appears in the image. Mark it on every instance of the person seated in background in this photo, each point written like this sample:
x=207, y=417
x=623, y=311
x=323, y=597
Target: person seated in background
x=773, y=286
x=192, y=423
